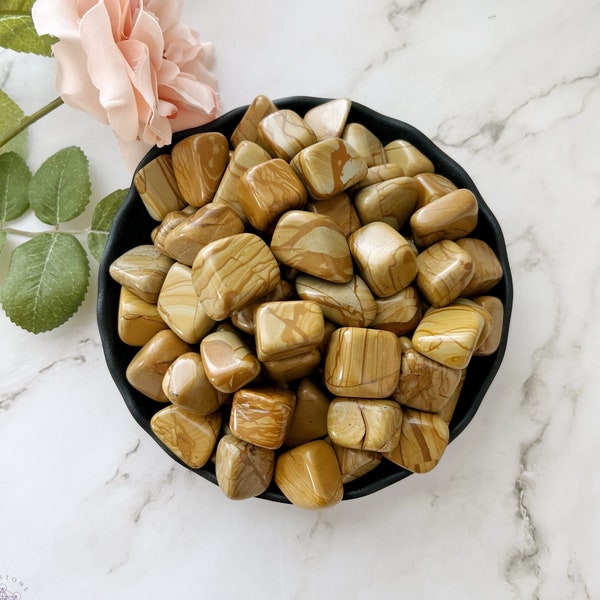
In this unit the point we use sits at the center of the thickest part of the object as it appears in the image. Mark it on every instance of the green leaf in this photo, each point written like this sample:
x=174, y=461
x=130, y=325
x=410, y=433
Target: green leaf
x=10, y=116
x=47, y=281
x=2, y=239
x=17, y=31
x=14, y=186
x=102, y=219
x=60, y=189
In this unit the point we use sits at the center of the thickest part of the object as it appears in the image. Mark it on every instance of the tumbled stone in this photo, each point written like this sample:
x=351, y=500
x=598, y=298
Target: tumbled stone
x=285, y=133
x=283, y=370
x=362, y=363
x=138, y=320
x=355, y=463
x=447, y=412
x=309, y=476
x=430, y=187
x=328, y=120
x=487, y=319
x=487, y=269
x=313, y=244
x=377, y=174
x=247, y=128
x=412, y=160
x=162, y=230
x=310, y=415
x=399, y=313
x=495, y=308
x=341, y=209
x=364, y=143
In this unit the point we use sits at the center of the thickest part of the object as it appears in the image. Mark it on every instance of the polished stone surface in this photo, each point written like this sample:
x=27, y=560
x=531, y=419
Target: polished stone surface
x=341, y=209
x=284, y=133
x=328, y=119
x=411, y=159
x=310, y=415
x=138, y=320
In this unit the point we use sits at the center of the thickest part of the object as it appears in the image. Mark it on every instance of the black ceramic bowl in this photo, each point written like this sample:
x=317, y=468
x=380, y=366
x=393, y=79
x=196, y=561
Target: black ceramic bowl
x=132, y=227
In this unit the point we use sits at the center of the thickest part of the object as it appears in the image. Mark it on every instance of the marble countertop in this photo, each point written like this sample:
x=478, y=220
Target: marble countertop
x=92, y=508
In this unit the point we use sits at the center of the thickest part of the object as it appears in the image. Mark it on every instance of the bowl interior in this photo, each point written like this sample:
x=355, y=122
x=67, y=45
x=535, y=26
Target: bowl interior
x=133, y=225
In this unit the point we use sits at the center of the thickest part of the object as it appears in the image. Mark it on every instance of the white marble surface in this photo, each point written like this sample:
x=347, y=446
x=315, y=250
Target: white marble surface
x=91, y=508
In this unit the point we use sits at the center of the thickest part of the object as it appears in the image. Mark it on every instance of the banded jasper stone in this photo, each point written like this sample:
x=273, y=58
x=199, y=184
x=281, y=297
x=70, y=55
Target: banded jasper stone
x=430, y=187
x=294, y=367
x=362, y=363
x=447, y=412
x=199, y=162
x=309, y=475
x=327, y=168
x=313, y=244
x=350, y=304
x=341, y=209
x=231, y=272
x=487, y=319
x=495, y=308
x=364, y=143
x=328, y=120
x=385, y=259
x=355, y=463
x=379, y=173
x=138, y=320
x=188, y=435
x=285, y=133
x=228, y=361
x=412, y=160
x=310, y=416
x=284, y=329
x=449, y=335
x=247, y=128
x=423, y=440
x=487, y=269
x=450, y=217
x=399, y=313
x=160, y=232
x=157, y=187
x=268, y=190
x=364, y=424
x=262, y=416
x=243, y=470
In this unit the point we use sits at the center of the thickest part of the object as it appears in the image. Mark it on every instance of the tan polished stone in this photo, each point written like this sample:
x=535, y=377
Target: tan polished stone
x=157, y=187
x=364, y=424
x=162, y=230
x=285, y=133
x=209, y=223
x=310, y=416
x=355, y=463
x=447, y=412
x=138, y=320
x=449, y=335
x=399, y=313
x=364, y=143
x=231, y=272
x=487, y=269
x=341, y=209
x=229, y=363
x=423, y=440
x=443, y=271
x=268, y=190
x=391, y=201
x=313, y=244
x=147, y=368
x=243, y=470
x=330, y=327
x=262, y=416
x=350, y=304
x=142, y=270
x=492, y=341
x=430, y=187
x=294, y=367
x=450, y=217
x=385, y=259
x=487, y=319
x=309, y=475
x=362, y=363
x=284, y=329
x=327, y=168
x=412, y=160
x=378, y=174
x=328, y=120
x=190, y=436
x=247, y=128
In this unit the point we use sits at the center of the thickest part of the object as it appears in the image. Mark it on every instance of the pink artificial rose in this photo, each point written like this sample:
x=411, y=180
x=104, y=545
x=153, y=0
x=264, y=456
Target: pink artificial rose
x=133, y=65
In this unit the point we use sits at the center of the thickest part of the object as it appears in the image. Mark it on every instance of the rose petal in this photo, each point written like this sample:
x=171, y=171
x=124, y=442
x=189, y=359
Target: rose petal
x=56, y=18
x=146, y=30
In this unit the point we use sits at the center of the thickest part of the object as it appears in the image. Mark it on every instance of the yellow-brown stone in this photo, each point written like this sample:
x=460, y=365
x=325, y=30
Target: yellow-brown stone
x=495, y=308
x=364, y=143
x=284, y=133
x=328, y=120
x=138, y=320
x=399, y=313
x=487, y=269
x=247, y=128
x=310, y=416
x=412, y=160
x=430, y=187
x=341, y=209
x=355, y=463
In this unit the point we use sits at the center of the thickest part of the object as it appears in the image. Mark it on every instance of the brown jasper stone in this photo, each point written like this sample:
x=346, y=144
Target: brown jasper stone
x=284, y=329
x=487, y=270
x=247, y=128
x=231, y=272
x=423, y=440
x=328, y=119
x=157, y=187
x=425, y=384
x=350, y=304
x=309, y=476
x=268, y=190
x=450, y=217
x=188, y=435
x=443, y=272
x=391, y=201
x=487, y=319
x=399, y=313
x=329, y=329
x=209, y=223
x=142, y=270
x=284, y=133
x=364, y=424
x=385, y=259
x=245, y=156
x=160, y=232
x=262, y=416
x=148, y=367
x=430, y=187
x=327, y=168
x=243, y=470
x=364, y=143
x=449, y=335
x=341, y=209
x=186, y=384
x=495, y=308
x=355, y=463
x=377, y=174
x=413, y=161
x=295, y=367
x=138, y=320
x=313, y=244
x=447, y=412
x=199, y=162
x=228, y=362
x=362, y=363
x=310, y=416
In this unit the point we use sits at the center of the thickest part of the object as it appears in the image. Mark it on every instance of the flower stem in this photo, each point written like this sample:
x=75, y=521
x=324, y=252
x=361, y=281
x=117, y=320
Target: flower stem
x=25, y=122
